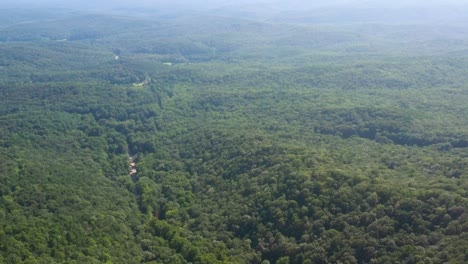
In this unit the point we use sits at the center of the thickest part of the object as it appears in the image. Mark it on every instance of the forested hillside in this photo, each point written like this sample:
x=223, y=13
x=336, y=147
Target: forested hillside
x=254, y=142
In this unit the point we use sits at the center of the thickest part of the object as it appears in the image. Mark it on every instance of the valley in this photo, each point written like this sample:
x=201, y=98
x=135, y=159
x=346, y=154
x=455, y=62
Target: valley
x=220, y=139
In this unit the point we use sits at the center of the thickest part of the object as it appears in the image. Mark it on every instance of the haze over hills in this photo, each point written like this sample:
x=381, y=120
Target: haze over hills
x=394, y=12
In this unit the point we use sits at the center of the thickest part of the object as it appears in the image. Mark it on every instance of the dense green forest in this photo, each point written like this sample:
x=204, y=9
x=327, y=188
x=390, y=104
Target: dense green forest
x=254, y=142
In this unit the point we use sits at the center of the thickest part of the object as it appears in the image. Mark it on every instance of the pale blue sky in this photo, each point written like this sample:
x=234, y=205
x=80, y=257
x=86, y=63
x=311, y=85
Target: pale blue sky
x=346, y=11
x=287, y=4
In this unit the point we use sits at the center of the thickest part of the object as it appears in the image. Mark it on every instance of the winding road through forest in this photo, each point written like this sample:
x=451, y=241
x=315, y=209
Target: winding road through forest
x=132, y=168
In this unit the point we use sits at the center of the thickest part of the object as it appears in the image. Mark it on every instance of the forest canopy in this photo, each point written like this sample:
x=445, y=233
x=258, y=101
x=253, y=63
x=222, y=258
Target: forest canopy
x=253, y=141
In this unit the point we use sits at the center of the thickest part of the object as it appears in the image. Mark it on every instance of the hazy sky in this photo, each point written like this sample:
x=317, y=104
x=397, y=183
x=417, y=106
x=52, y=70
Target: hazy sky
x=318, y=11
x=203, y=4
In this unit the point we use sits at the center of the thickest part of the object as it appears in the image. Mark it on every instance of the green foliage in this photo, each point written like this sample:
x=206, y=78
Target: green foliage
x=253, y=143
